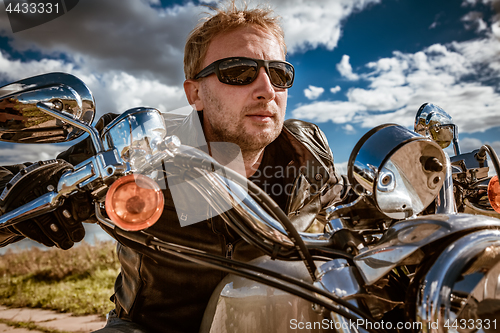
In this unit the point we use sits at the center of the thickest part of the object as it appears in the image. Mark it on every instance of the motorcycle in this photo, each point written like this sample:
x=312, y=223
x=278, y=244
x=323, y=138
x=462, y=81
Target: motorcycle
x=469, y=170
x=398, y=254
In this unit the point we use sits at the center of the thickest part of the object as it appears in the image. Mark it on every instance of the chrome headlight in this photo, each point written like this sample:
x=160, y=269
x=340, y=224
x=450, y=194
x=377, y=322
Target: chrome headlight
x=136, y=132
x=401, y=170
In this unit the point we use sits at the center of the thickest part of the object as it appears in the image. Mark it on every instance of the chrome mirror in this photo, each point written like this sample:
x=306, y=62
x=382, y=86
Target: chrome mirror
x=21, y=121
x=433, y=122
x=402, y=171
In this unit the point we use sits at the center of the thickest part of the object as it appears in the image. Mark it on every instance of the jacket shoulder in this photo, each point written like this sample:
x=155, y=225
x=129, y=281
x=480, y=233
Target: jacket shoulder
x=310, y=135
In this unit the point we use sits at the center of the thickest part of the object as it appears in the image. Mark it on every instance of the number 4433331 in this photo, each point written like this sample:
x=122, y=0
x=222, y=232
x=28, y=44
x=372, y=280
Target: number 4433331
x=471, y=324
x=33, y=8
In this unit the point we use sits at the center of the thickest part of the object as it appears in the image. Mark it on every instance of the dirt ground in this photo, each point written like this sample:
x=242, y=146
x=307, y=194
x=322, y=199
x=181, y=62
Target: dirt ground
x=49, y=319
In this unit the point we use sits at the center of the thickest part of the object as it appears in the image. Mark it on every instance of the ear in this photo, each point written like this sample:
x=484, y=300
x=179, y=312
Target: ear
x=191, y=88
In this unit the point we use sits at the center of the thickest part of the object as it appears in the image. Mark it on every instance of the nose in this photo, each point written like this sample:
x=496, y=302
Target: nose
x=263, y=89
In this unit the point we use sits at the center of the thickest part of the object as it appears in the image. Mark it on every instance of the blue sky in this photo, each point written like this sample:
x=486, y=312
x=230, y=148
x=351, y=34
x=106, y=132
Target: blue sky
x=359, y=63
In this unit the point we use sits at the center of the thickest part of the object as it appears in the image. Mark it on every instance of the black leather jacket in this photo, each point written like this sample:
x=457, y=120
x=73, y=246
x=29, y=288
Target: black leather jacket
x=171, y=296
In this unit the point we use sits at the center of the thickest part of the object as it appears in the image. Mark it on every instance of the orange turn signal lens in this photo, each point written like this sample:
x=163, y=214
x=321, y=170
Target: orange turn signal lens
x=134, y=202
x=494, y=193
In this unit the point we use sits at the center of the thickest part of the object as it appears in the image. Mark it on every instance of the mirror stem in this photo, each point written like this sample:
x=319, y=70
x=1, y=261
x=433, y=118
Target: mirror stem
x=93, y=133
x=456, y=147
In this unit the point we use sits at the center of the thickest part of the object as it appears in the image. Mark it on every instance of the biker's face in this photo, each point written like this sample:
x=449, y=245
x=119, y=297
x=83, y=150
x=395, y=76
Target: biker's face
x=250, y=115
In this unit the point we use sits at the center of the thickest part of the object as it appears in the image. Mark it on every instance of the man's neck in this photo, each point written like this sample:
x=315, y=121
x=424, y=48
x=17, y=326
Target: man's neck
x=252, y=161
x=243, y=162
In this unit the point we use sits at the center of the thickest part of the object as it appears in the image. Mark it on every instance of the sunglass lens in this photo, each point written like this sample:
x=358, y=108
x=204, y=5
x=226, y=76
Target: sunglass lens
x=237, y=71
x=281, y=74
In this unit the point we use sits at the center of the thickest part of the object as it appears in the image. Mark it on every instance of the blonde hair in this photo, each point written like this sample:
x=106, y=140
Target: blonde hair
x=225, y=20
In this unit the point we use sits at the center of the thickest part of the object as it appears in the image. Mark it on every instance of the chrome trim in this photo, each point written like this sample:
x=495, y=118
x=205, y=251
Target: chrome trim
x=136, y=135
x=127, y=114
x=437, y=285
x=433, y=122
x=333, y=210
x=41, y=205
x=445, y=201
x=93, y=133
x=70, y=180
x=95, y=169
x=102, y=219
x=334, y=225
x=338, y=278
x=64, y=92
x=109, y=164
x=403, y=240
x=257, y=218
x=106, y=163
x=480, y=210
x=391, y=164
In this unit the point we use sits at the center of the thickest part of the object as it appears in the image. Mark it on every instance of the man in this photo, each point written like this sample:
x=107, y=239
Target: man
x=237, y=79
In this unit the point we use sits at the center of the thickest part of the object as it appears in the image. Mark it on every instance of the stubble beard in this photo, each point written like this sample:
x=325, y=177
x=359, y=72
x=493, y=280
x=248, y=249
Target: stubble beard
x=228, y=127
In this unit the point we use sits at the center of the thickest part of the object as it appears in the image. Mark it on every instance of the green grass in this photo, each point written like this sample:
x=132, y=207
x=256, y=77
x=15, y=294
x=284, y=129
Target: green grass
x=79, y=280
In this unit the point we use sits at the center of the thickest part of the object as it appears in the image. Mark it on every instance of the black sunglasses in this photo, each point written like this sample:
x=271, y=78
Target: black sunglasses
x=240, y=71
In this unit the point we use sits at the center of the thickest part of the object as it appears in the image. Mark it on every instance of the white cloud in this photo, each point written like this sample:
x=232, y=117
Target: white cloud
x=149, y=41
x=313, y=92
x=472, y=3
x=383, y=98
x=483, y=52
x=126, y=91
x=335, y=89
x=345, y=69
x=349, y=129
x=132, y=54
x=133, y=37
x=13, y=70
x=20, y=153
x=114, y=91
x=335, y=111
x=470, y=144
x=341, y=168
x=315, y=23
x=456, y=77
x=474, y=20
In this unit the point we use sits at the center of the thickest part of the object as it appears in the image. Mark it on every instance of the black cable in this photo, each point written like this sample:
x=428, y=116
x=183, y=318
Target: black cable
x=210, y=164
x=224, y=264
x=233, y=219
x=318, y=251
x=287, y=224
x=481, y=155
x=249, y=236
x=229, y=216
x=246, y=234
x=331, y=253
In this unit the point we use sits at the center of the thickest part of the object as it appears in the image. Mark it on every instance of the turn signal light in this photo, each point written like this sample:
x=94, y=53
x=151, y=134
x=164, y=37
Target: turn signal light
x=494, y=193
x=134, y=202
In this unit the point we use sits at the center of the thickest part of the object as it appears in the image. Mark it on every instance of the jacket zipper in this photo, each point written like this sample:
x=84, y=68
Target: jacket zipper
x=229, y=250
x=225, y=248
